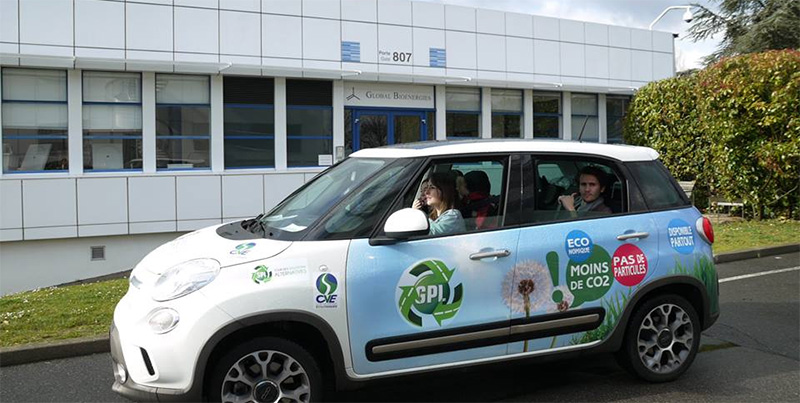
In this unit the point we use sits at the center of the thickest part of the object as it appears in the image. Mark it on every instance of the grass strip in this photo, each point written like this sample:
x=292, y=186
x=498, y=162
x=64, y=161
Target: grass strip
x=740, y=235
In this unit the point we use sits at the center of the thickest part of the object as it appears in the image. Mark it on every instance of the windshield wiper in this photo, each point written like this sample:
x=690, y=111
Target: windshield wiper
x=254, y=224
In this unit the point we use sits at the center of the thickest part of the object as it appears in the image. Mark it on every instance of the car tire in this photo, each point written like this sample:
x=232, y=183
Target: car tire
x=274, y=369
x=662, y=339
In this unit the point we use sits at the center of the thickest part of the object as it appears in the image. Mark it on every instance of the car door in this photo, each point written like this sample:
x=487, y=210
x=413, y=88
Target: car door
x=433, y=300
x=575, y=272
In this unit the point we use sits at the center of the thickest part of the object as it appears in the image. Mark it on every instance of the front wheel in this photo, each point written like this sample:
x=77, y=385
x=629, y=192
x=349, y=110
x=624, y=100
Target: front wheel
x=662, y=339
x=266, y=370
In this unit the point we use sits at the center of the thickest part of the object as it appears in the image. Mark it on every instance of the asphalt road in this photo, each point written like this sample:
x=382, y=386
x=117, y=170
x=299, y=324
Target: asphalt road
x=751, y=354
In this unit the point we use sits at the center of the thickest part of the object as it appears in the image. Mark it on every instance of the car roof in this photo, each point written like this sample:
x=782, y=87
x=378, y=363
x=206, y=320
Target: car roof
x=449, y=147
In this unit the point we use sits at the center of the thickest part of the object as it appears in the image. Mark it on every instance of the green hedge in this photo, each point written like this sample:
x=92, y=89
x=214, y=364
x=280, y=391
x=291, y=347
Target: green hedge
x=733, y=127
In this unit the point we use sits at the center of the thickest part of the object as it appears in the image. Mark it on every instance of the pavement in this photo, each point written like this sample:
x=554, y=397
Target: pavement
x=77, y=347
x=751, y=354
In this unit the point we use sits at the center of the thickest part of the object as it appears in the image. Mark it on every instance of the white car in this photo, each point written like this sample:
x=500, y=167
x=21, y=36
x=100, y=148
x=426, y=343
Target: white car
x=423, y=257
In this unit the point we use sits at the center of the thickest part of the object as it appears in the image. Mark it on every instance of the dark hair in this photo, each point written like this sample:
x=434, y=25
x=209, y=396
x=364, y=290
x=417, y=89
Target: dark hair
x=478, y=181
x=446, y=183
x=598, y=173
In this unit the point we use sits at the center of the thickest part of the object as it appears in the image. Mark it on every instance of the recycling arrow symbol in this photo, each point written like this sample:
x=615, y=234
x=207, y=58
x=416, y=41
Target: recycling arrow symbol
x=430, y=294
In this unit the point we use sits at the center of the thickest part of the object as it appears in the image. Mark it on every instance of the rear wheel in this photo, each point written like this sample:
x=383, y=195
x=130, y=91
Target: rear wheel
x=266, y=370
x=662, y=339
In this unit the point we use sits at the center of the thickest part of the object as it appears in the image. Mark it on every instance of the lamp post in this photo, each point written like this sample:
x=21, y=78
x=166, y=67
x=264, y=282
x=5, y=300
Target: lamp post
x=687, y=16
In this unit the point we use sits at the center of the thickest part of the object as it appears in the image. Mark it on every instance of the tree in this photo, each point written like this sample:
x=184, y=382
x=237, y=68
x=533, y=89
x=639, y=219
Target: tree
x=748, y=26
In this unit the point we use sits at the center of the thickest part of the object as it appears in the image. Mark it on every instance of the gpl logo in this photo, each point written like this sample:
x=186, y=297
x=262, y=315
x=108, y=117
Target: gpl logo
x=326, y=285
x=424, y=294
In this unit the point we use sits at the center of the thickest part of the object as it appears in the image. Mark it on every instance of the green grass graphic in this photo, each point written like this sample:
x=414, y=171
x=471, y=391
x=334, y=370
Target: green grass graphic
x=614, y=306
x=703, y=269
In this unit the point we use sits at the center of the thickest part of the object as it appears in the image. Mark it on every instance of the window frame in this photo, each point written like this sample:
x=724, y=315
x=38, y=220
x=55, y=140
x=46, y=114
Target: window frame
x=181, y=136
x=559, y=116
x=596, y=115
x=520, y=113
x=52, y=136
x=626, y=104
x=470, y=112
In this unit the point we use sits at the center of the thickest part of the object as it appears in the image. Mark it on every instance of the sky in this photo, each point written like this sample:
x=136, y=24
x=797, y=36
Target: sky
x=628, y=13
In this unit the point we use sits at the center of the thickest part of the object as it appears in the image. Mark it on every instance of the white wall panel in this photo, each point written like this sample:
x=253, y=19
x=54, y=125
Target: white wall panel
x=288, y=7
x=321, y=39
x=596, y=34
x=102, y=230
x=459, y=18
x=278, y=186
x=46, y=22
x=10, y=204
x=100, y=24
x=393, y=38
x=241, y=5
x=102, y=201
x=199, y=3
x=491, y=52
x=281, y=36
x=360, y=10
x=428, y=15
x=519, y=25
x=619, y=64
x=596, y=61
x=571, y=31
x=198, y=198
x=545, y=28
x=196, y=30
x=8, y=235
x=641, y=65
x=619, y=37
x=366, y=35
x=49, y=203
x=491, y=21
x=322, y=8
x=240, y=33
x=641, y=39
x=662, y=65
x=519, y=55
x=50, y=232
x=151, y=227
x=162, y=2
x=9, y=21
x=192, y=225
x=424, y=40
x=573, y=60
x=148, y=27
x=461, y=50
x=151, y=199
x=394, y=12
x=662, y=42
x=546, y=57
x=242, y=195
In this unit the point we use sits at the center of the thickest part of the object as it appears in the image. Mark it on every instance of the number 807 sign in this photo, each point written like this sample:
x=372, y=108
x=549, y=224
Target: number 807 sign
x=386, y=56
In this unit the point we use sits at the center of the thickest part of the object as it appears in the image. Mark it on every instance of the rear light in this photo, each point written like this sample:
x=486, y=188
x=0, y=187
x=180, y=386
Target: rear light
x=705, y=229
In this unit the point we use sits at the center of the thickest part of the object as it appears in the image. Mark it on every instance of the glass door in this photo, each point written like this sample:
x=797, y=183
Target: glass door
x=373, y=128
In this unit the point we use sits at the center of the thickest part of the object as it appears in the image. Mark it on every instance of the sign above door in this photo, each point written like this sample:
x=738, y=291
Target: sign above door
x=388, y=95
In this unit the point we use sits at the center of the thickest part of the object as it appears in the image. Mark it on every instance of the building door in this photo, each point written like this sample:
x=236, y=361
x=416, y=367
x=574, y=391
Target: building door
x=375, y=128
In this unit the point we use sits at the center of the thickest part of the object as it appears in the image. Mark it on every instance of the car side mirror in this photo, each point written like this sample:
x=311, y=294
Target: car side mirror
x=403, y=224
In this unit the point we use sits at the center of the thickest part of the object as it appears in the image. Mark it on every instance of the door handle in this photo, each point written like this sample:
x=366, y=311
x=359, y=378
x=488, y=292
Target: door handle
x=494, y=253
x=640, y=235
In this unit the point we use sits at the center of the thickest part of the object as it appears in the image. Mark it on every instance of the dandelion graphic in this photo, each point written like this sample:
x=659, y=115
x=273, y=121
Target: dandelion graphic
x=528, y=288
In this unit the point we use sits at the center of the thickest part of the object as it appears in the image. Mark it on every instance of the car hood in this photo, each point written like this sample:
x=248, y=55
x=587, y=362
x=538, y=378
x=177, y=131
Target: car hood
x=207, y=243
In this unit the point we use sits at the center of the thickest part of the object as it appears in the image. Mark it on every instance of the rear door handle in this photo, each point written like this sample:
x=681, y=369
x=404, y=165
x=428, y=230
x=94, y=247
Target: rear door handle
x=640, y=235
x=494, y=253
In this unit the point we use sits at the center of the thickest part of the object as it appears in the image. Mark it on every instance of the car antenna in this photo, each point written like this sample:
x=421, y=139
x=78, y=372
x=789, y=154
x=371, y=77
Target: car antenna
x=583, y=128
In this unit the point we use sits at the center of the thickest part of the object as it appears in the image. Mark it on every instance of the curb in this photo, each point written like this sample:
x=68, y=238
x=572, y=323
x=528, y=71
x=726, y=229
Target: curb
x=30, y=353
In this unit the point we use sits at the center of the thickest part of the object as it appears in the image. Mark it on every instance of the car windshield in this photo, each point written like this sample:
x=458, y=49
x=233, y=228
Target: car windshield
x=302, y=209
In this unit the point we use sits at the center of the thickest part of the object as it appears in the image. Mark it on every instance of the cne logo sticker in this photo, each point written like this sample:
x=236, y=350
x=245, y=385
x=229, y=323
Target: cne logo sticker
x=243, y=249
x=426, y=294
x=326, y=286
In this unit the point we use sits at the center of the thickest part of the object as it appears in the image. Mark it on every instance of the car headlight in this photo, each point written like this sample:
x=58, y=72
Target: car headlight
x=185, y=278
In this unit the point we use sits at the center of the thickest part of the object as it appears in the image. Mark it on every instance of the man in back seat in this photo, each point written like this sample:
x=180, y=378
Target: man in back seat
x=479, y=204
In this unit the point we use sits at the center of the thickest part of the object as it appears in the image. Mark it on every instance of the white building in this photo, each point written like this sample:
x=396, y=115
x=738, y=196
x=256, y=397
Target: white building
x=127, y=122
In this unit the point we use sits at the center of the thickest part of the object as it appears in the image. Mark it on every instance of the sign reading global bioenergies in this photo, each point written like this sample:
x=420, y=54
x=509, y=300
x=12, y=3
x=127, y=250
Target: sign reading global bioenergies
x=388, y=95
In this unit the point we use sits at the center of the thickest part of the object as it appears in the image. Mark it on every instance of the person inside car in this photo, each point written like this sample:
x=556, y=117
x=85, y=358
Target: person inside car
x=592, y=184
x=478, y=203
x=442, y=198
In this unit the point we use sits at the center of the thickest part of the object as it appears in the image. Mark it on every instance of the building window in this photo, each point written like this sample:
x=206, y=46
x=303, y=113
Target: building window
x=584, y=118
x=506, y=113
x=183, y=134
x=547, y=115
x=112, y=121
x=249, y=117
x=309, y=122
x=616, y=109
x=463, y=112
x=34, y=120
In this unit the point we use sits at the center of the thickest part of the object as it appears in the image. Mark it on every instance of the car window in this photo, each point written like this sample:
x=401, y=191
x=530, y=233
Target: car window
x=571, y=188
x=657, y=185
x=460, y=195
